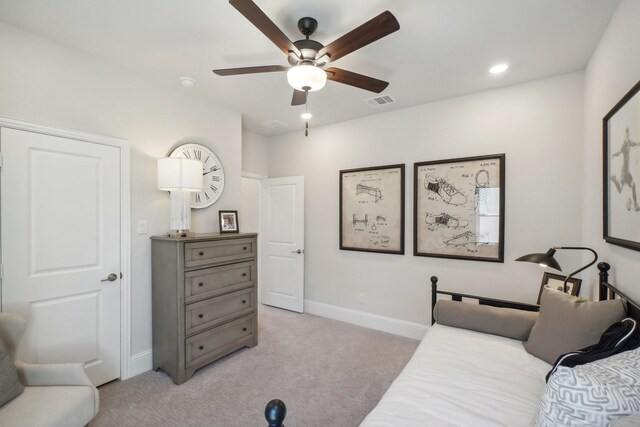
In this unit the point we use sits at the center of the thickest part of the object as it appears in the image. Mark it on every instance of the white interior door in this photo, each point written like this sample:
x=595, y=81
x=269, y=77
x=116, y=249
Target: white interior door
x=60, y=223
x=283, y=247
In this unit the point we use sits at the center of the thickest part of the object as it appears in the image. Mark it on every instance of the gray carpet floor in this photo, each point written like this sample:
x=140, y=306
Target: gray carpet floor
x=328, y=373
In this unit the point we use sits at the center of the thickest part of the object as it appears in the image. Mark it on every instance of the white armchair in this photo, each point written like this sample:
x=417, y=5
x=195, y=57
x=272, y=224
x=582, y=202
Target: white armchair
x=54, y=394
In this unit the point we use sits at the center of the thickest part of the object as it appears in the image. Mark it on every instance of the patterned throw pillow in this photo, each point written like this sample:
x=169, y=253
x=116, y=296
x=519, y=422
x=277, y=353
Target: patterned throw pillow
x=593, y=394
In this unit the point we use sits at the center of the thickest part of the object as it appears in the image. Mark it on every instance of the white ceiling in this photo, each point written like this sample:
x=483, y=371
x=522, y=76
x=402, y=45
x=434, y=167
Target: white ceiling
x=443, y=48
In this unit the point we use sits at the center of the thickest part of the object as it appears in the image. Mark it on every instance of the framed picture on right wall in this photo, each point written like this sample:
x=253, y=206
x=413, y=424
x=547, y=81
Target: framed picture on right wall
x=621, y=171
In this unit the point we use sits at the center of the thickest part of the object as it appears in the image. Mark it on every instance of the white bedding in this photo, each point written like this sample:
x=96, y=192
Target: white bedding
x=459, y=377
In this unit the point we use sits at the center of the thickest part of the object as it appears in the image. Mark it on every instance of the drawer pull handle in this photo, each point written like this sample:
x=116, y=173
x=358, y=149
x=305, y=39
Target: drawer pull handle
x=244, y=329
x=244, y=248
x=244, y=274
x=201, y=315
x=244, y=301
x=201, y=347
x=201, y=284
x=201, y=253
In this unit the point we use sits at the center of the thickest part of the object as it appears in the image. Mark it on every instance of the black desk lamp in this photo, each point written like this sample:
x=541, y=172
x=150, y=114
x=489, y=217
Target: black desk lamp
x=547, y=260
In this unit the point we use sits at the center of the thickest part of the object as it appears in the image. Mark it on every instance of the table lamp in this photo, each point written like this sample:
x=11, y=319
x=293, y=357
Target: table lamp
x=547, y=260
x=180, y=177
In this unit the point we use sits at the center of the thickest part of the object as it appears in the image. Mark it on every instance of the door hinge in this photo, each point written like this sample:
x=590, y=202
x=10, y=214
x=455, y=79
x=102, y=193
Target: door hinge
x=121, y=274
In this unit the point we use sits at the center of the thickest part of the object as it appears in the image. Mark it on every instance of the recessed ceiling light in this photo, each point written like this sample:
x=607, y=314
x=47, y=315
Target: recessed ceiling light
x=498, y=68
x=306, y=116
x=187, y=82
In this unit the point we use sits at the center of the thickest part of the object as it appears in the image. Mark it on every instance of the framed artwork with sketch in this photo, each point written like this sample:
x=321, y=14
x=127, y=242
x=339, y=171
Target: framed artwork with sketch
x=556, y=281
x=372, y=209
x=621, y=171
x=458, y=208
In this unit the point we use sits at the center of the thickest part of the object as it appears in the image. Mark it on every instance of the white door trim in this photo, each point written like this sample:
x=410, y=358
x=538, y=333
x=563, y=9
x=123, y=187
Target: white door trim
x=254, y=175
x=125, y=221
x=261, y=178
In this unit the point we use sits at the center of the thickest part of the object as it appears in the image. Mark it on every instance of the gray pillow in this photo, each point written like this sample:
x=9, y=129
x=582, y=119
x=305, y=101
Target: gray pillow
x=506, y=322
x=569, y=323
x=593, y=394
x=10, y=387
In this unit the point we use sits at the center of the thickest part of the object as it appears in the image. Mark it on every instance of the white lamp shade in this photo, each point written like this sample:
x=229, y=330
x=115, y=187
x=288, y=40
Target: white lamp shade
x=176, y=173
x=306, y=76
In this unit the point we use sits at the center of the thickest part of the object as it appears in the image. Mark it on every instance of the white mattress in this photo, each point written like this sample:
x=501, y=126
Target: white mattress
x=459, y=377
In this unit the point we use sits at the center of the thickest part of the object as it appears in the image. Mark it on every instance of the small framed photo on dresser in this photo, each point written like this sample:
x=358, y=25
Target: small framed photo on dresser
x=228, y=221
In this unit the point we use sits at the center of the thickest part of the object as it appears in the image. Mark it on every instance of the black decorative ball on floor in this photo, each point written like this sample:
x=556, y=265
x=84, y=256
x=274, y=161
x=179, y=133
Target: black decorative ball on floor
x=274, y=412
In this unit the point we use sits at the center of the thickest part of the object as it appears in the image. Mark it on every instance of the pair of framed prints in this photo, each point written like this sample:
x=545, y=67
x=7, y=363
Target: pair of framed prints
x=458, y=208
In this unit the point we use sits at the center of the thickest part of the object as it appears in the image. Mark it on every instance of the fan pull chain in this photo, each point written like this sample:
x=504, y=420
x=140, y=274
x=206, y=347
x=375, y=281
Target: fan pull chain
x=306, y=110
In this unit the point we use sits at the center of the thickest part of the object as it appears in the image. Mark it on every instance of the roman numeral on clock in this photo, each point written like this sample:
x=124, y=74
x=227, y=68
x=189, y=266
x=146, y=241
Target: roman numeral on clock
x=212, y=173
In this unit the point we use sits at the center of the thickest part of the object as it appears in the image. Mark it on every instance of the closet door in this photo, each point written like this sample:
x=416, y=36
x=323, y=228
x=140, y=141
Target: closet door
x=60, y=225
x=283, y=242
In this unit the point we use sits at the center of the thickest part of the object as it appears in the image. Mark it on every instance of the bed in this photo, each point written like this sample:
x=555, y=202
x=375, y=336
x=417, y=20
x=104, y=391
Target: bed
x=459, y=377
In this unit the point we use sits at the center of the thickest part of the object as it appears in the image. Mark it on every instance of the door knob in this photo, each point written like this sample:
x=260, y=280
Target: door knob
x=110, y=278
x=297, y=252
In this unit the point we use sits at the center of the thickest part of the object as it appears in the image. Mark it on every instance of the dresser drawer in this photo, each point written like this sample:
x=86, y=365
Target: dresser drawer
x=205, y=314
x=203, y=253
x=211, y=282
x=218, y=340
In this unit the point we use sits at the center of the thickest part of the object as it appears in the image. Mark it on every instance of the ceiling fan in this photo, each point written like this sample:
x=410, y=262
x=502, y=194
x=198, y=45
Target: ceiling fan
x=309, y=58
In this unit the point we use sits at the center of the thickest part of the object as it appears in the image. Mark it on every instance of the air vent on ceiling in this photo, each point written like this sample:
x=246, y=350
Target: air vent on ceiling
x=274, y=124
x=378, y=101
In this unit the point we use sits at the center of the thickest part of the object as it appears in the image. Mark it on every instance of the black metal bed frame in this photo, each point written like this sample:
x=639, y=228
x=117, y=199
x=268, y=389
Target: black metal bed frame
x=456, y=296
x=276, y=410
x=605, y=291
x=608, y=291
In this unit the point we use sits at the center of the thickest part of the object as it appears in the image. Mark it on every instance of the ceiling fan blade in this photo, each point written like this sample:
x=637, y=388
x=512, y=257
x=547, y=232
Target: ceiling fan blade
x=250, y=70
x=354, y=79
x=258, y=18
x=375, y=29
x=299, y=98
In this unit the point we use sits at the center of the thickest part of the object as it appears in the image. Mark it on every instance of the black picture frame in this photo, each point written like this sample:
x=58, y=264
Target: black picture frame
x=372, y=209
x=556, y=281
x=228, y=221
x=617, y=169
x=446, y=193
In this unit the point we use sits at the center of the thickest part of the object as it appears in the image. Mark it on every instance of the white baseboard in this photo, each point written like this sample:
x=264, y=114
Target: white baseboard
x=368, y=320
x=140, y=362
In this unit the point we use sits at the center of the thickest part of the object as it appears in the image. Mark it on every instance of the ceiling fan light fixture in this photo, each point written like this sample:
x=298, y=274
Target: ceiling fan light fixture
x=306, y=77
x=306, y=115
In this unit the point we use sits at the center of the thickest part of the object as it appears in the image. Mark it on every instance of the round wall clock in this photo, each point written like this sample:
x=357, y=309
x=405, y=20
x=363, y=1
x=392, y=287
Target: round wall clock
x=212, y=173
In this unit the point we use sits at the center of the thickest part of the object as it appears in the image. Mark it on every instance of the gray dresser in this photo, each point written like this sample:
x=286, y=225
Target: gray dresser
x=204, y=300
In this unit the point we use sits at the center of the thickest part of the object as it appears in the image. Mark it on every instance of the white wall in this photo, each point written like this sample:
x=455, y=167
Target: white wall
x=44, y=82
x=613, y=69
x=539, y=127
x=255, y=154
